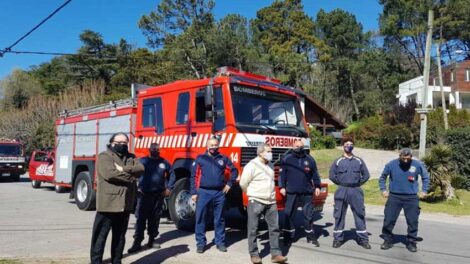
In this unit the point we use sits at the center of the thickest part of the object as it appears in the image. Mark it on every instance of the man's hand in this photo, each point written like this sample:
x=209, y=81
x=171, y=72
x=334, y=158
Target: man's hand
x=194, y=197
x=226, y=189
x=422, y=195
x=317, y=191
x=119, y=168
x=385, y=194
x=283, y=191
x=166, y=192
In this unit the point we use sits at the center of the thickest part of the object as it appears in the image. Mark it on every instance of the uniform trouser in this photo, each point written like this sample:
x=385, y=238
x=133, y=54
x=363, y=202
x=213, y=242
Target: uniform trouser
x=293, y=201
x=104, y=222
x=149, y=207
x=410, y=205
x=206, y=198
x=255, y=210
x=354, y=197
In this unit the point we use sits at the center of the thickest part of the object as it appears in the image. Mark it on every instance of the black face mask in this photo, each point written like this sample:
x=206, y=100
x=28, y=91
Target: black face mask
x=298, y=151
x=120, y=149
x=154, y=154
x=405, y=165
x=214, y=151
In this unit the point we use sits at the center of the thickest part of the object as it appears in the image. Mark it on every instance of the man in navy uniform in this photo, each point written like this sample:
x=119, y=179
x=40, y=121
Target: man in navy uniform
x=349, y=172
x=298, y=180
x=208, y=188
x=153, y=187
x=403, y=193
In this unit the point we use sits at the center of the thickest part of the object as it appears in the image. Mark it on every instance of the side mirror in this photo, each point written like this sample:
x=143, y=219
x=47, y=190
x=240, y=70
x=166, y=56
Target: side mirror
x=208, y=92
x=50, y=160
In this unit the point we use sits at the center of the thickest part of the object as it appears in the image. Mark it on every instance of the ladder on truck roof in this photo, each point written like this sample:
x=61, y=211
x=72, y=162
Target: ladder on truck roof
x=112, y=105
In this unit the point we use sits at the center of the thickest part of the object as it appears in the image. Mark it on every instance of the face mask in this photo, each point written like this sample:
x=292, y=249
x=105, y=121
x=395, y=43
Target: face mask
x=348, y=149
x=154, y=153
x=120, y=148
x=214, y=151
x=298, y=150
x=268, y=156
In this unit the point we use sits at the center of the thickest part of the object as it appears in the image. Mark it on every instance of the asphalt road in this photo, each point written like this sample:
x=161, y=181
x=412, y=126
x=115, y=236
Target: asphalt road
x=41, y=226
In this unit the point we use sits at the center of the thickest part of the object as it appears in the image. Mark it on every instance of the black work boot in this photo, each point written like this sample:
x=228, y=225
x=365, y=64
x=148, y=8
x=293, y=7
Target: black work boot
x=337, y=243
x=411, y=246
x=135, y=246
x=312, y=239
x=386, y=245
x=151, y=243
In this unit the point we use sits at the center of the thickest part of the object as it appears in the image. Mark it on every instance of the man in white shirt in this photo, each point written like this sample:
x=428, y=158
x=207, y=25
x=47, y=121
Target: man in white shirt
x=257, y=181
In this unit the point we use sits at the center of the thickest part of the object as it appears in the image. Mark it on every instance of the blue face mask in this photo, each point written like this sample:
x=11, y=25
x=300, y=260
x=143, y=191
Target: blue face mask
x=348, y=149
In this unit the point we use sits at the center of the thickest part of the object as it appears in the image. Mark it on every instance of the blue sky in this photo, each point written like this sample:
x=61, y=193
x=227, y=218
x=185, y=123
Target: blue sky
x=116, y=19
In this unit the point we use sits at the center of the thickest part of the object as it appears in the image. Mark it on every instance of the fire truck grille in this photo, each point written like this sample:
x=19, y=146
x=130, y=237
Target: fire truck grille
x=248, y=154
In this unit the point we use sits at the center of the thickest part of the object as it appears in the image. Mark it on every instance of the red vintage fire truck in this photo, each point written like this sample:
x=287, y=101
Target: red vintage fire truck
x=12, y=159
x=242, y=109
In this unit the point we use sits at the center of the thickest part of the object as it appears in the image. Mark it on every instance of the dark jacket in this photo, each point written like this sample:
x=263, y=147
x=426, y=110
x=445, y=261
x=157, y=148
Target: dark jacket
x=299, y=174
x=349, y=172
x=156, y=175
x=116, y=190
x=404, y=180
x=209, y=172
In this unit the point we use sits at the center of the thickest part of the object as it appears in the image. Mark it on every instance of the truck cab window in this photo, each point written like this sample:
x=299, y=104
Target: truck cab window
x=218, y=108
x=182, y=110
x=152, y=115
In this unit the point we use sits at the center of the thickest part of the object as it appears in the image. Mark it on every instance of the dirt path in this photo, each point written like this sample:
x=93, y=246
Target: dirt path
x=375, y=159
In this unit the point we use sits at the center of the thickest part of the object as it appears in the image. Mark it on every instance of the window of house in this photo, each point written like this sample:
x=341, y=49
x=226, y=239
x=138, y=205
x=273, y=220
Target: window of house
x=467, y=75
x=152, y=114
x=452, y=76
x=182, y=110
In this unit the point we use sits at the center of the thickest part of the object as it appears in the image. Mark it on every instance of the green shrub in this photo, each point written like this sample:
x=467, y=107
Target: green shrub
x=329, y=142
x=395, y=137
x=459, y=140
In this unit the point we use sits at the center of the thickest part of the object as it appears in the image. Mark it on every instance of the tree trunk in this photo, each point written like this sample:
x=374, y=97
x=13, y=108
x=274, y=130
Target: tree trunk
x=351, y=89
x=449, y=191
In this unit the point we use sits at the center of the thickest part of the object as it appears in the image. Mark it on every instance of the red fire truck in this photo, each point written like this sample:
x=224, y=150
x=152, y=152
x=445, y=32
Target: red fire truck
x=41, y=168
x=12, y=159
x=242, y=109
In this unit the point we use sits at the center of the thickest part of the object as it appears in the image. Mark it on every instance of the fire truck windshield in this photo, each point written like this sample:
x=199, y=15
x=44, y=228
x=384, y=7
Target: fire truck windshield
x=10, y=150
x=261, y=111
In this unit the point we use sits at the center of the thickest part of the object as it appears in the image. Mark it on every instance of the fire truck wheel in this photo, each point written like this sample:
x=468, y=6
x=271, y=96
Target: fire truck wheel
x=181, y=206
x=59, y=189
x=15, y=177
x=83, y=192
x=36, y=184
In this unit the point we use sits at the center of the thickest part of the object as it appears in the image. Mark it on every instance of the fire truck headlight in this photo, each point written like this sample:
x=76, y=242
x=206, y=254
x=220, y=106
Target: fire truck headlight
x=20, y=166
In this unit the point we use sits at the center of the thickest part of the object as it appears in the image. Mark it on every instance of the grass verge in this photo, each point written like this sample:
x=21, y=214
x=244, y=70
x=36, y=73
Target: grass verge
x=324, y=158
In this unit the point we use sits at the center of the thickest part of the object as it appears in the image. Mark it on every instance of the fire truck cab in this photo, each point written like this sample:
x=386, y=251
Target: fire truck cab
x=12, y=159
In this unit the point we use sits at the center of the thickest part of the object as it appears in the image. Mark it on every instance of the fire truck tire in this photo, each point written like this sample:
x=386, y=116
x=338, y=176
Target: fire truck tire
x=15, y=177
x=181, y=207
x=36, y=184
x=85, y=196
x=60, y=189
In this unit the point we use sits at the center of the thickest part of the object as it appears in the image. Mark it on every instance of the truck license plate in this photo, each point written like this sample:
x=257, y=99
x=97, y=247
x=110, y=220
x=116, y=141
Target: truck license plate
x=5, y=174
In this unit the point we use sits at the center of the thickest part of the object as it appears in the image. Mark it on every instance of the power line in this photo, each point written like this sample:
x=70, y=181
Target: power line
x=2, y=52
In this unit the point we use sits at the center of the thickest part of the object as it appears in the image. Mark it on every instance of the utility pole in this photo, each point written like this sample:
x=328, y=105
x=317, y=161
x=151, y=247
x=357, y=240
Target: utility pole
x=423, y=111
x=443, y=98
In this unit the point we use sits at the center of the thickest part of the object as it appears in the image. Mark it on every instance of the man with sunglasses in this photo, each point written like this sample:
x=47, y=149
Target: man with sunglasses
x=403, y=192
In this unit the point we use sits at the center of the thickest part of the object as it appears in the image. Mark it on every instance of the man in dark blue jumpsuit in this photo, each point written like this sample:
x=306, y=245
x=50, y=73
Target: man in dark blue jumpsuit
x=349, y=172
x=403, y=187
x=298, y=180
x=208, y=188
x=153, y=187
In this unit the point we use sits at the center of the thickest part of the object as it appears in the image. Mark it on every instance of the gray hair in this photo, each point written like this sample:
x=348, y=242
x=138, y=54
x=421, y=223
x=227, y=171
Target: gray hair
x=261, y=147
x=406, y=152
